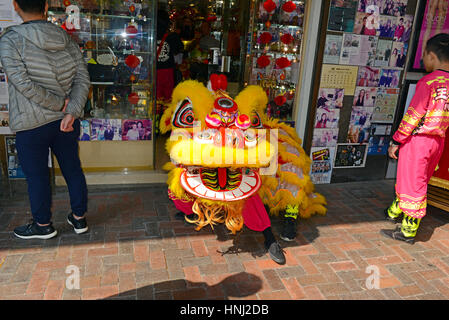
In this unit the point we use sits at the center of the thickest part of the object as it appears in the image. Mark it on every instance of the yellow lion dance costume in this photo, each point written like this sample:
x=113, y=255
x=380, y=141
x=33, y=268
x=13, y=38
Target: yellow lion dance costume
x=220, y=148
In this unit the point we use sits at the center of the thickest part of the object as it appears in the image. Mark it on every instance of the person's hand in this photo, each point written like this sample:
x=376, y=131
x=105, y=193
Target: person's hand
x=392, y=152
x=65, y=104
x=67, y=122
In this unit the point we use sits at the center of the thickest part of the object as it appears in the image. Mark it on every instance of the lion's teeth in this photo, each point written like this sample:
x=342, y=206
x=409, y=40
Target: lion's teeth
x=229, y=195
x=245, y=187
x=250, y=180
x=237, y=193
x=201, y=189
x=219, y=195
x=211, y=194
x=194, y=181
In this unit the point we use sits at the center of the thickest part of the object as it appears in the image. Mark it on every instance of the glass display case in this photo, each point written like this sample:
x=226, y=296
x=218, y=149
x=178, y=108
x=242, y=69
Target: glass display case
x=274, y=53
x=117, y=39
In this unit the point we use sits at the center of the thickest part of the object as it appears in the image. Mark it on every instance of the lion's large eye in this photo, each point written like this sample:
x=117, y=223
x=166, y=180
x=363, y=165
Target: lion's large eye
x=256, y=122
x=184, y=116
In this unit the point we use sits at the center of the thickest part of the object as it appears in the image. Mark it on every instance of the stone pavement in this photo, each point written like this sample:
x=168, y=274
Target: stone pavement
x=137, y=249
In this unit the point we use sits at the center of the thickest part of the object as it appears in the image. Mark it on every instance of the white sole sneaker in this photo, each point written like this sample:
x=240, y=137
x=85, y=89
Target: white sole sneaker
x=43, y=237
x=78, y=231
x=287, y=239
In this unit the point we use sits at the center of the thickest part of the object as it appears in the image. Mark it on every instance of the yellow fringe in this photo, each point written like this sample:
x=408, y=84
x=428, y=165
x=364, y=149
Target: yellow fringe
x=229, y=213
x=252, y=98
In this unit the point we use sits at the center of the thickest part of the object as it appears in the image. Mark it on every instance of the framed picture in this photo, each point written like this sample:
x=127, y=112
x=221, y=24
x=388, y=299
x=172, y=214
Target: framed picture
x=105, y=129
x=324, y=137
x=432, y=20
x=84, y=130
x=12, y=159
x=136, y=129
x=342, y=15
x=379, y=140
x=321, y=168
x=350, y=155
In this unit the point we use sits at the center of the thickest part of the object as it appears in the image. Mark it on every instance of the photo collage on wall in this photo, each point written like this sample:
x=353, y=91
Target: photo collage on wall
x=115, y=130
x=365, y=50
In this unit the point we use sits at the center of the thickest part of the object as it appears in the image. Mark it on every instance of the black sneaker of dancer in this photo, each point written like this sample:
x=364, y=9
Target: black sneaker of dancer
x=289, y=229
x=182, y=217
x=391, y=219
x=276, y=253
x=397, y=234
x=274, y=249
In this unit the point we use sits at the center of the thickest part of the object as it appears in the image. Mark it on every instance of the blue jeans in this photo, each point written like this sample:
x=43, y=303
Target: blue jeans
x=32, y=149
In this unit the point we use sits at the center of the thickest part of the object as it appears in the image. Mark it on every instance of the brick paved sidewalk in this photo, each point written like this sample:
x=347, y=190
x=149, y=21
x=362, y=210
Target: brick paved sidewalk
x=137, y=249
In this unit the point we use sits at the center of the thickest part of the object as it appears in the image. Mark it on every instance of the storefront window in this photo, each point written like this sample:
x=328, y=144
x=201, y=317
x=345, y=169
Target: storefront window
x=274, y=53
x=117, y=39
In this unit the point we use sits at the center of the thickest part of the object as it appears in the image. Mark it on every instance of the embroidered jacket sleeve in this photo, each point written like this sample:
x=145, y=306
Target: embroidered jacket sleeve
x=415, y=113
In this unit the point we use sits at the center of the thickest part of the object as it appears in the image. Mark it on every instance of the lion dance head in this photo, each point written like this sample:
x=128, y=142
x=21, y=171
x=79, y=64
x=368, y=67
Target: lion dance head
x=225, y=150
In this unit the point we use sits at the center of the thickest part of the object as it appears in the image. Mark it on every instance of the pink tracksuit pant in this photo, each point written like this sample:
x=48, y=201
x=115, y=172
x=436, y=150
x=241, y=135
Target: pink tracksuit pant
x=418, y=158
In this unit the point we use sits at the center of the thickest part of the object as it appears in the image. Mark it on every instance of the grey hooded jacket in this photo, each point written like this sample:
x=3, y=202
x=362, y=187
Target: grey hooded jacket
x=44, y=66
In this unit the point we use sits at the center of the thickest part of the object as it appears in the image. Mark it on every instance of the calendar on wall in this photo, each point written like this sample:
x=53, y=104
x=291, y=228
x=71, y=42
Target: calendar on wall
x=338, y=76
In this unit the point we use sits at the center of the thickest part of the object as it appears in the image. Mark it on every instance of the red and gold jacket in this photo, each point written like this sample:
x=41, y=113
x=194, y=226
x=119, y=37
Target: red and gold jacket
x=428, y=112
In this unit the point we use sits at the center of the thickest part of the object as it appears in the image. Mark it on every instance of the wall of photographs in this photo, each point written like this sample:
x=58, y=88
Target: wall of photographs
x=365, y=51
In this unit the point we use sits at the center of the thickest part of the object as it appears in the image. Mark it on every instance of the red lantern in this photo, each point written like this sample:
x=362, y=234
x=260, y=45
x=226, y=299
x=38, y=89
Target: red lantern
x=289, y=6
x=66, y=3
x=287, y=38
x=280, y=100
x=218, y=81
x=132, y=61
x=133, y=98
x=131, y=31
x=283, y=62
x=269, y=5
x=265, y=38
x=211, y=18
x=263, y=61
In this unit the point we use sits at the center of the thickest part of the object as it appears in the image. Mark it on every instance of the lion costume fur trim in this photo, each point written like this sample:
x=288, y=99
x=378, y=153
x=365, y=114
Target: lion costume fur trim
x=277, y=199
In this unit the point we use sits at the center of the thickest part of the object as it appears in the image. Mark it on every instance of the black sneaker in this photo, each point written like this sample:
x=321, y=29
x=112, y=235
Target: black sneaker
x=80, y=226
x=183, y=217
x=289, y=229
x=398, y=219
x=397, y=234
x=34, y=231
x=276, y=253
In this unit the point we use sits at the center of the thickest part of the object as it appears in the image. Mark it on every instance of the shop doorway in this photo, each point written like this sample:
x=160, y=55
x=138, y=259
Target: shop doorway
x=213, y=35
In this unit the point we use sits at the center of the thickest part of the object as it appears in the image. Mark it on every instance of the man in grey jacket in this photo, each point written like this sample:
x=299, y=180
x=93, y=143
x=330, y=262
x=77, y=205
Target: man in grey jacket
x=48, y=86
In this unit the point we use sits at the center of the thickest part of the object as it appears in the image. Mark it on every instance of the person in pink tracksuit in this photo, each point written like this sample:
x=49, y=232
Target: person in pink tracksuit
x=420, y=141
